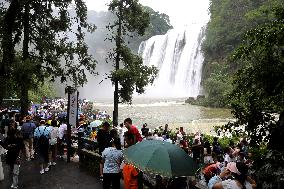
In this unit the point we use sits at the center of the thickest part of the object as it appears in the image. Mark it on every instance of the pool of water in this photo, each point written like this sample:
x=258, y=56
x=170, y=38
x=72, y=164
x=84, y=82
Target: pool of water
x=175, y=112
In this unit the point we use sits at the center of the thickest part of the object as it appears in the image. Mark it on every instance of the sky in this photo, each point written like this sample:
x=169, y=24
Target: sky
x=181, y=12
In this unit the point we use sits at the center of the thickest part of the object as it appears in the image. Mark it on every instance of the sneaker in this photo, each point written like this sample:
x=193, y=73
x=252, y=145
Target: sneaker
x=53, y=163
x=46, y=169
x=42, y=171
x=49, y=164
x=15, y=187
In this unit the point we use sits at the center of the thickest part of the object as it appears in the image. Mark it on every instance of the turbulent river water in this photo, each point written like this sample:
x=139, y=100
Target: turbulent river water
x=157, y=112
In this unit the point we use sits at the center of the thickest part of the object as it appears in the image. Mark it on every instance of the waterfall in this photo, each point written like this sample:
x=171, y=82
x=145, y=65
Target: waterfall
x=178, y=56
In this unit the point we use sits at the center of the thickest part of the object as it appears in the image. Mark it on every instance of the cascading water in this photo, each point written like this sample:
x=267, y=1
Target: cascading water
x=179, y=59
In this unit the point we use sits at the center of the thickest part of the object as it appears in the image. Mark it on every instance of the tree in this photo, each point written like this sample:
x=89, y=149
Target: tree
x=44, y=31
x=229, y=22
x=129, y=74
x=258, y=90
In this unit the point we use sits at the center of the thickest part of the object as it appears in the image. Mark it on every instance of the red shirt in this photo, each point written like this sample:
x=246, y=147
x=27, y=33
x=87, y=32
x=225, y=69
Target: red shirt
x=133, y=130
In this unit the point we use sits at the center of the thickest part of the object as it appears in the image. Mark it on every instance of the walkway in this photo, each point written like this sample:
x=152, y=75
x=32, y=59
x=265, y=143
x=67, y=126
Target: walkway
x=62, y=176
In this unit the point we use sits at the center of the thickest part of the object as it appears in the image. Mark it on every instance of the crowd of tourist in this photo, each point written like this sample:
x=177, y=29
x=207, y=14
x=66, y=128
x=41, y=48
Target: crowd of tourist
x=221, y=168
x=42, y=140
x=42, y=136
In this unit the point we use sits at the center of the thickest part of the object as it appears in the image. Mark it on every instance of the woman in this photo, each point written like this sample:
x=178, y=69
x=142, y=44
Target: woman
x=111, y=160
x=54, y=135
x=235, y=175
x=15, y=145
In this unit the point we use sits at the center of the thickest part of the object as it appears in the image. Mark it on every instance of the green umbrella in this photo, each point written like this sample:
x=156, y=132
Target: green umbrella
x=161, y=158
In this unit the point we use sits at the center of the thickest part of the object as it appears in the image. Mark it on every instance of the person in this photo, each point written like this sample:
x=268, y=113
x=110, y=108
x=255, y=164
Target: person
x=168, y=139
x=2, y=151
x=62, y=138
x=144, y=129
x=12, y=128
x=217, y=150
x=4, y=125
x=42, y=135
x=54, y=135
x=166, y=131
x=207, y=153
x=228, y=157
x=133, y=130
x=111, y=160
x=121, y=130
x=28, y=135
x=211, y=170
x=93, y=134
x=235, y=175
x=197, y=150
x=15, y=146
x=103, y=137
x=130, y=173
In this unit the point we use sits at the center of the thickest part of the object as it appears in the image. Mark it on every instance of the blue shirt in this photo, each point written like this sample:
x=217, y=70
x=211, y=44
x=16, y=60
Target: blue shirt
x=42, y=130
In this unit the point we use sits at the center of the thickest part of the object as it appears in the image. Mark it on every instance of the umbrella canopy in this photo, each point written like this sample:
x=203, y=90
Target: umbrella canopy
x=162, y=158
x=96, y=123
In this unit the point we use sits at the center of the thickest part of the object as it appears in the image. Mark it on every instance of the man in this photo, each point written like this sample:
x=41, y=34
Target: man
x=103, y=137
x=133, y=130
x=144, y=130
x=28, y=135
x=165, y=132
x=42, y=134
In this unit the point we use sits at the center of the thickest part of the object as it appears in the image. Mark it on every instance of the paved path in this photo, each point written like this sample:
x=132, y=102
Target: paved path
x=62, y=176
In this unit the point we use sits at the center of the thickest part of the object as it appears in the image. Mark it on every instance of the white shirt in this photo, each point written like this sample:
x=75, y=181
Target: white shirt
x=227, y=158
x=54, y=134
x=121, y=131
x=230, y=184
x=62, y=130
x=168, y=140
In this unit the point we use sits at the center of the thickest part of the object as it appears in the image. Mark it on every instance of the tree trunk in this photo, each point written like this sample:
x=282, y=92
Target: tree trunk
x=8, y=46
x=25, y=81
x=117, y=60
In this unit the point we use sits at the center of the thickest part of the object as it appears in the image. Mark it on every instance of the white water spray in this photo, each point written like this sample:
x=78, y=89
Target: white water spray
x=179, y=59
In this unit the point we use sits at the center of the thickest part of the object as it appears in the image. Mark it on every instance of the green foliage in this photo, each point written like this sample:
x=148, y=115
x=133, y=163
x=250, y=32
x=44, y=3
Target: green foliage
x=258, y=96
x=223, y=141
x=217, y=86
x=42, y=30
x=44, y=89
x=133, y=75
x=259, y=85
x=230, y=20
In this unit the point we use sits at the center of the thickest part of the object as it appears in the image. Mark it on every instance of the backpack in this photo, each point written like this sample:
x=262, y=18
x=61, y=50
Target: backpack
x=26, y=134
x=43, y=139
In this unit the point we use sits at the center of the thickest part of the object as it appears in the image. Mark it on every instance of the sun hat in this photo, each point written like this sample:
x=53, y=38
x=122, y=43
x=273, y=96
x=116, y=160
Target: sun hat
x=42, y=122
x=232, y=166
x=28, y=118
